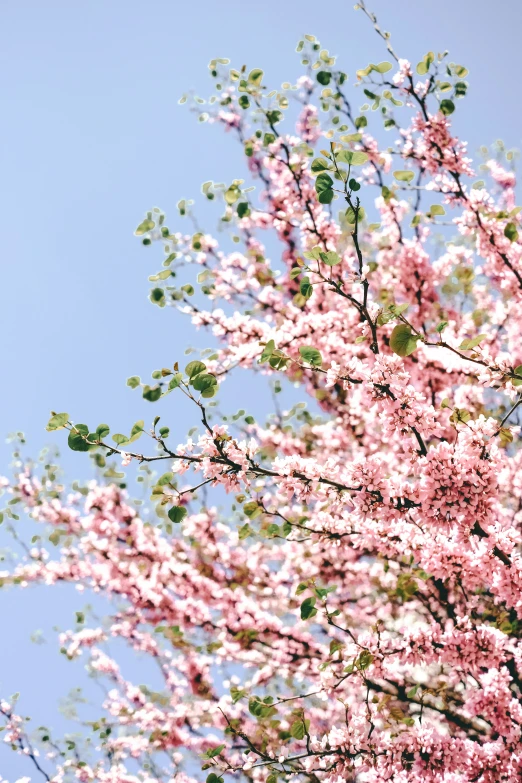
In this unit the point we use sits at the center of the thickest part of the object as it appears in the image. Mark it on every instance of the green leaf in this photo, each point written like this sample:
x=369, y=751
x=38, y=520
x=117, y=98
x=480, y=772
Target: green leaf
x=314, y=254
x=402, y=341
x=308, y=609
x=324, y=77
x=460, y=415
x=137, y=429
x=364, y=660
x=261, y=709
x=301, y=587
x=274, y=117
x=311, y=355
x=157, y=296
x=461, y=71
x=352, y=158
x=245, y=531
x=518, y=371
x=102, y=430
x=511, y=232
x=268, y=350
x=299, y=728
x=331, y=258
x=306, y=288
x=295, y=272
x=133, y=381
x=210, y=754
x=335, y=646
x=461, y=89
x=398, y=309
x=383, y=67
x=57, y=421
x=447, y=106
x=144, y=227
x=166, y=478
x=120, y=439
x=189, y=290
x=360, y=122
x=467, y=345
x=351, y=137
x=436, y=209
x=195, y=368
x=323, y=187
x=151, y=393
x=232, y=194
x=506, y=436
x=350, y=215
x=177, y=514
x=77, y=436
x=326, y=197
x=278, y=361
x=424, y=65
x=322, y=592
x=236, y=694
x=403, y=176
x=252, y=509
x=175, y=381
x=243, y=210
x=255, y=77
x=204, y=381
x=320, y=164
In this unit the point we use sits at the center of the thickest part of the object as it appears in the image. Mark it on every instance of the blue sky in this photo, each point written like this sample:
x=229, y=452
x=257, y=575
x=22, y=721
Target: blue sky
x=92, y=137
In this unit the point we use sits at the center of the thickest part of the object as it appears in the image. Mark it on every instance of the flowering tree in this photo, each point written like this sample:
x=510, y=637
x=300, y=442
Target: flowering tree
x=354, y=614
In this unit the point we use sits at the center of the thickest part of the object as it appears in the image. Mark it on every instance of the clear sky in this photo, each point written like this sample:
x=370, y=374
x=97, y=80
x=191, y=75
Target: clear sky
x=92, y=137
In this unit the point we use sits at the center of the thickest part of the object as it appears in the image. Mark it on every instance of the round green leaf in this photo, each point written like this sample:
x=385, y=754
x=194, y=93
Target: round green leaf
x=204, y=381
x=255, y=77
x=311, y=355
x=324, y=77
x=323, y=187
x=308, y=609
x=403, y=176
x=77, y=438
x=102, y=430
x=447, y=107
x=177, y=514
x=511, y=232
x=320, y=164
x=402, y=341
x=120, y=439
x=57, y=421
x=194, y=368
x=151, y=393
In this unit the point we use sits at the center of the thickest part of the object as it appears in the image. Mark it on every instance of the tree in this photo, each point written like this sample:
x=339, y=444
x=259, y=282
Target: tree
x=354, y=613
